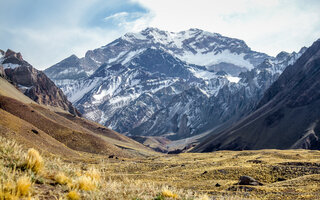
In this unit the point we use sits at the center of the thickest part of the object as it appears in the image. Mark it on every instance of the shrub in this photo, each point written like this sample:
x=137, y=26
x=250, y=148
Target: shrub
x=34, y=161
x=94, y=174
x=23, y=186
x=85, y=183
x=203, y=197
x=168, y=193
x=73, y=195
x=61, y=178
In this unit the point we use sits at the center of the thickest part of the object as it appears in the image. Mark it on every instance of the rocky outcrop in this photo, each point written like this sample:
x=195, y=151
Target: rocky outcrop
x=1, y=52
x=34, y=83
x=2, y=73
x=248, y=180
x=286, y=117
x=158, y=83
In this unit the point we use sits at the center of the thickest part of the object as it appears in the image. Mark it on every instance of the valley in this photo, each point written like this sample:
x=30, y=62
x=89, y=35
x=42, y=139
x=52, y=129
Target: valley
x=285, y=174
x=168, y=84
x=160, y=115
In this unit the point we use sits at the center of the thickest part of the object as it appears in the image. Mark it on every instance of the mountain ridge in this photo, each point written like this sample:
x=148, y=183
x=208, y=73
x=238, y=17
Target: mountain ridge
x=33, y=83
x=286, y=117
x=142, y=82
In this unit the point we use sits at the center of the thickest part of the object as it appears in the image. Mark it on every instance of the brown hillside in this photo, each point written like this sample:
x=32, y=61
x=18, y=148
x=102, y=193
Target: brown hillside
x=25, y=133
x=73, y=138
x=66, y=129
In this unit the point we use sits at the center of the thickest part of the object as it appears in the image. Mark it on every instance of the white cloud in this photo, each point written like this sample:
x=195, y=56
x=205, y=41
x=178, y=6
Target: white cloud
x=119, y=15
x=268, y=26
x=132, y=22
x=55, y=30
x=43, y=48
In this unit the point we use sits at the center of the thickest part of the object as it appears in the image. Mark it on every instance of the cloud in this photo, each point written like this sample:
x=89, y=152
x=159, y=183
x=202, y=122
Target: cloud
x=45, y=32
x=52, y=30
x=43, y=48
x=132, y=22
x=120, y=15
x=268, y=26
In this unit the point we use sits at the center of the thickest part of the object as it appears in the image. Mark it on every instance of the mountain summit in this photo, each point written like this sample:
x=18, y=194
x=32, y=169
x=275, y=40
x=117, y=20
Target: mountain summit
x=193, y=46
x=162, y=83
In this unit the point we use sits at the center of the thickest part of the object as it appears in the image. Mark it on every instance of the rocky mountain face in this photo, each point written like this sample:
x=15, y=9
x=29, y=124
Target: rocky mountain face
x=193, y=46
x=33, y=83
x=287, y=115
x=237, y=100
x=159, y=83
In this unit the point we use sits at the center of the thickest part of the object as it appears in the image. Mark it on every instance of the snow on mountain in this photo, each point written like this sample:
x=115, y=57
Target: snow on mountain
x=162, y=83
x=32, y=82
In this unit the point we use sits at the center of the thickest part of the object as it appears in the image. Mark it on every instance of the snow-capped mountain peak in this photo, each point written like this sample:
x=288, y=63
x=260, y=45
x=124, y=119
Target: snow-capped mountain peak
x=156, y=82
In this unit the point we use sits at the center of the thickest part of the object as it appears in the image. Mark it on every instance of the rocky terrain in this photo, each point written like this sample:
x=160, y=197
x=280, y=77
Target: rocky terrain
x=33, y=83
x=286, y=117
x=56, y=131
x=176, y=85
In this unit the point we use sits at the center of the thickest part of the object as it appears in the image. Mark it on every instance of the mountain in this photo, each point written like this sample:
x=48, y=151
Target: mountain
x=33, y=83
x=194, y=46
x=38, y=126
x=159, y=83
x=287, y=116
x=237, y=100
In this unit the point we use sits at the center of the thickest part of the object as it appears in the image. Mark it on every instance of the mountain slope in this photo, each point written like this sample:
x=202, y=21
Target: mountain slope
x=286, y=117
x=193, y=46
x=33, y=83
x=62, y=133
x=159, y=83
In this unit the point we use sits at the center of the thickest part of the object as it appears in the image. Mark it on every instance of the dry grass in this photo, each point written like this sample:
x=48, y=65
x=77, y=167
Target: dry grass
x=184, y=176
x=168, y=193
x=85, y=183
x=73, y=195
x=23, y=186
x=61, y=178
x=34, y=161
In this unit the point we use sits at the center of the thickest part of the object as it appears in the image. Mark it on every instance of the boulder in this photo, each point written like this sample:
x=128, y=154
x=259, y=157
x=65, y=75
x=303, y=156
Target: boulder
x=247, y=180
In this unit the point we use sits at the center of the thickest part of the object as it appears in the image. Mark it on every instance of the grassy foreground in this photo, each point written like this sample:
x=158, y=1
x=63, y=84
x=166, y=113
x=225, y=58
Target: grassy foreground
x=290, y=174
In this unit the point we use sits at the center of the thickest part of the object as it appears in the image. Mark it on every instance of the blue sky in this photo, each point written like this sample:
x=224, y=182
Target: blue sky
x=47, y=31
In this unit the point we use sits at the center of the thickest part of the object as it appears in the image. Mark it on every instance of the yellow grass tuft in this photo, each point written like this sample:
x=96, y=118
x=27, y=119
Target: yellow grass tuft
x=34, y=161
x=61, y=178
x=94, y=174
x=6, y=195
x=203, y=197
x=78, y=173
x=73, y=195
x=85, y=183
x=164, y=177
x=168, y=193
x=8, y=191
x=23, y=186
x=9, y=187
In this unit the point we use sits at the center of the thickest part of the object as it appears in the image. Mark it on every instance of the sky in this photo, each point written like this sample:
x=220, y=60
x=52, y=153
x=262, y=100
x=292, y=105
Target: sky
x=47, y=31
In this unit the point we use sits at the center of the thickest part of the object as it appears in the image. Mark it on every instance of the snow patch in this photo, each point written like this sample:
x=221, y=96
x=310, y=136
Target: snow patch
x=112, y=87
x=117, y=57
x=120, y=101
x=233, y=79
x=89, y=73
x=132, y=54
x=10, y=65
x=210, y=59
x=84, y=90
x=203, y=74
x=204, y=92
